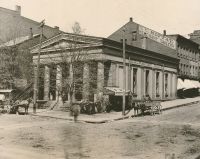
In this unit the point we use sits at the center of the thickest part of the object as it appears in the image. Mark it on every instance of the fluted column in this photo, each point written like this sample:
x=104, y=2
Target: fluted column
x=58, y=80
x=100, y=78
x=161, y=84
x=46, y=82
x=150, y=80
x=139, y=83
x=153, y=84
x=170, y=85
x=86, y=84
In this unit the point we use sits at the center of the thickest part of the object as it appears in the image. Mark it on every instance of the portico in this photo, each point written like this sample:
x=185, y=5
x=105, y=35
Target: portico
x=100, y=65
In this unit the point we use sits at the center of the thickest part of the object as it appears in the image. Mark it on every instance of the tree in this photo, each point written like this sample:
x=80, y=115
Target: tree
x=9, y=68
x=16, y=63
x=73, y=57
x=76, y=28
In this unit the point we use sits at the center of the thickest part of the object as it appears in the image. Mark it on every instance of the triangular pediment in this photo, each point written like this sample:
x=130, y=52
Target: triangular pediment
x=67, y=41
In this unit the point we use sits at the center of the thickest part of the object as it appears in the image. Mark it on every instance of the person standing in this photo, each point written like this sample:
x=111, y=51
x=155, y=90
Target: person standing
x=76, y=111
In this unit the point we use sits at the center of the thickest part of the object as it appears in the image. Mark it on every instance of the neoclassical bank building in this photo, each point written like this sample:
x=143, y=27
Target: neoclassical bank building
x=97, y=65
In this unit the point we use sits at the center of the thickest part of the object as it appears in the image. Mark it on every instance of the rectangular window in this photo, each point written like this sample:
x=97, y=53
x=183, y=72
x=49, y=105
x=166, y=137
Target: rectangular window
x=157, y=84
x=166, y=85
x=147, y=82
x=134, y=35
x=134, y=81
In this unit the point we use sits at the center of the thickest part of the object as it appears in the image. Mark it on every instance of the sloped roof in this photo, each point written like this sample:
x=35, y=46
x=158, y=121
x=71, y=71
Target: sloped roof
x=179, y=37
x=11, y=19
x=18, y=40
x=152, y=45
x=84, y=39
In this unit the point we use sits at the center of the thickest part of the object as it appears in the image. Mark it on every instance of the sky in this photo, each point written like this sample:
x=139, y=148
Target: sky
x=103, y=17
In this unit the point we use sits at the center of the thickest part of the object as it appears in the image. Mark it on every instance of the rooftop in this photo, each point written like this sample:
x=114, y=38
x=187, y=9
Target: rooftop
x=17, y=41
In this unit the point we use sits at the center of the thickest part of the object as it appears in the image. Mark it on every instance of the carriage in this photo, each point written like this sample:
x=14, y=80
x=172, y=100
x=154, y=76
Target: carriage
x=146, y=105
x=140, y=106
x=20, y=106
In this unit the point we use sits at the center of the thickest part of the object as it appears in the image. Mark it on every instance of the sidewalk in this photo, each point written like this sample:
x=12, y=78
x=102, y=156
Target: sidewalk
x=179, y=102
x=112, y=116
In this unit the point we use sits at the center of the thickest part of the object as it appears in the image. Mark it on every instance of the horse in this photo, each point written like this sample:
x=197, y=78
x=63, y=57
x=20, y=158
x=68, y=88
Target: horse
x=23, y=104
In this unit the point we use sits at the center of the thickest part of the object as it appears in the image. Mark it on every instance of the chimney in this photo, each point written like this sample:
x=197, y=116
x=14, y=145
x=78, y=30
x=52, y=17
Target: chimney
x=56, y=28
x=31, y=33
x=131, y=19
x=164, y=32
x=18, y=9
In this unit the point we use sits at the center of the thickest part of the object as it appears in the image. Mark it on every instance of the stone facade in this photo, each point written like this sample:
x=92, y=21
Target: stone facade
x=104, y=57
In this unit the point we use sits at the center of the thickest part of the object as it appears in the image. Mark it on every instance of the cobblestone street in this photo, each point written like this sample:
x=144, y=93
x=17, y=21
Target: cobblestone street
x=175, y=131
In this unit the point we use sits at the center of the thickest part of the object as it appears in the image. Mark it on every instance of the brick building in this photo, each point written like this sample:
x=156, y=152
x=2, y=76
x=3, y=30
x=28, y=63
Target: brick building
x=188, y=53
x=195, y=36
x=13, y=25
x=145, y=38
x=148, y=73
x=172, y=45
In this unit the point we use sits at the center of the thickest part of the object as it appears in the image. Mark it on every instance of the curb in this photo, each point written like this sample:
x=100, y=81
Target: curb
x=47, y=116
x=111, y=120
x=85, y=121
x=181, y=105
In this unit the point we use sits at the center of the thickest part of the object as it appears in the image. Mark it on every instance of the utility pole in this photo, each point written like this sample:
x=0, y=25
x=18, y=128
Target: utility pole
x=129, y=74
x=124, y=74
x=163, y=82
x=36, y=78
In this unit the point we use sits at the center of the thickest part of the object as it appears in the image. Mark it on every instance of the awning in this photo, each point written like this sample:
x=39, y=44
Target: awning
x=114, y=91
x=188, y=84
x=180, y=84
x=196, y=83
x=5, y=90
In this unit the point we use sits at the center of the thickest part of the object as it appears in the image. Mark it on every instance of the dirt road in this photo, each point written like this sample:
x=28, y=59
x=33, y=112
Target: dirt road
x=175, y=132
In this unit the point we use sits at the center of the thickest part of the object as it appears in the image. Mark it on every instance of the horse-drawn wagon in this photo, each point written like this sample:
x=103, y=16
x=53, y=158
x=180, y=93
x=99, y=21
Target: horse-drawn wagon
x=20, y=106
x=146, y=105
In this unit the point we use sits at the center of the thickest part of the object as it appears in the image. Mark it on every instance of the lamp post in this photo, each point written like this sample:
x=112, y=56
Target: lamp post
x=124, y=74
x=36, y=81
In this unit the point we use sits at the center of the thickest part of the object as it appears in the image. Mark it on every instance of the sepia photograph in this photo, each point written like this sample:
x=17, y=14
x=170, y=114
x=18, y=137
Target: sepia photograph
x=99, y=79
